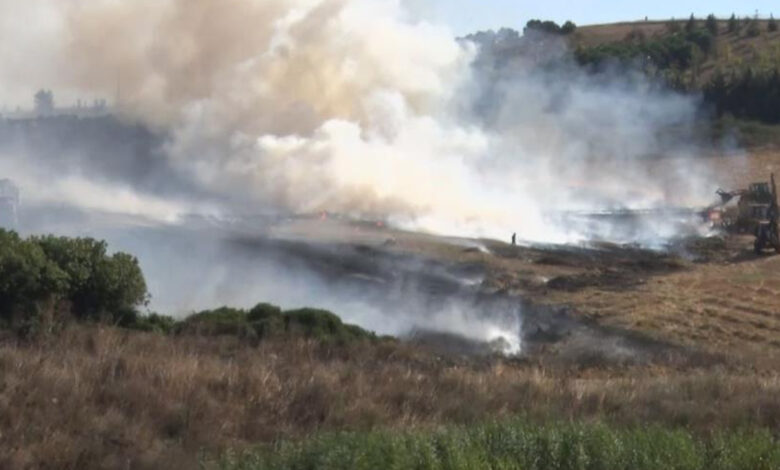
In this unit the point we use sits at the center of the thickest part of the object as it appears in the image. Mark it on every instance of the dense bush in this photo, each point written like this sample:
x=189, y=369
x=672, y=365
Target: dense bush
x=99, y=284
x=151, y=322
x=40, y=273
x=28, y=278
x=269, y=321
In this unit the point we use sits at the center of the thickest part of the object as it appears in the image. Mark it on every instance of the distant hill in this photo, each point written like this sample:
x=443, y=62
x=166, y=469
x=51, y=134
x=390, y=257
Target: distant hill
x=733, y=63
x=731, y=50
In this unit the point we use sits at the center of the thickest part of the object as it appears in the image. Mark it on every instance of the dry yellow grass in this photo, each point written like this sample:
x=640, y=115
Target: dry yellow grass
x=733, y=308
x=104, y=398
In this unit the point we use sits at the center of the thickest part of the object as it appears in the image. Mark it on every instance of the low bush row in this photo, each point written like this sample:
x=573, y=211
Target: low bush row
x=263, y=321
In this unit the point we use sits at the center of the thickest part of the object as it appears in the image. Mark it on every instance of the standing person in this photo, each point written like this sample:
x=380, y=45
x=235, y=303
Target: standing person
x=514, y=239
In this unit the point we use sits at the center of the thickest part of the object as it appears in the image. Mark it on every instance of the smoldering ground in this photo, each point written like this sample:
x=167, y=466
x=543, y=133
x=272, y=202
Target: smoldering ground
x=283, y=108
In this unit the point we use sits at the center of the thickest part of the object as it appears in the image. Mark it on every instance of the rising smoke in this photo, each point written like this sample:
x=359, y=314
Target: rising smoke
x=349, y=106
x=345, y=106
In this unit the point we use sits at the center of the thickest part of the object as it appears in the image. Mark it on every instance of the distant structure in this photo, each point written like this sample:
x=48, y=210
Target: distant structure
x=44, y=106
x=44, y=102
x=9, y=204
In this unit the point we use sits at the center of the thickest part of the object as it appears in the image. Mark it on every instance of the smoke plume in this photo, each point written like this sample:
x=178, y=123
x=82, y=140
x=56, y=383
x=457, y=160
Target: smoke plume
x=236, y=108
x=352, y=107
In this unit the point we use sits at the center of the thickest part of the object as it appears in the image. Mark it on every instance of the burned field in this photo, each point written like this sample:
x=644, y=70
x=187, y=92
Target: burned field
x=684, y=337
x=102, y=397
x=598, y=302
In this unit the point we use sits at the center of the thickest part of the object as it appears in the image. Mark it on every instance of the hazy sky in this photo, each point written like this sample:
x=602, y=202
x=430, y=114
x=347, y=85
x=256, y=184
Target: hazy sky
x=465, y=16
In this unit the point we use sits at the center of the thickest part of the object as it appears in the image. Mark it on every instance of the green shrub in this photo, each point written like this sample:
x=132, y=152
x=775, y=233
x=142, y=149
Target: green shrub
x=218, y=322
x=519, y=445
x=151, y=322
x=323, y=325
x=28, y=279
x=263, y=311
x=265, y=321
x=44, y=277
x=99, y=286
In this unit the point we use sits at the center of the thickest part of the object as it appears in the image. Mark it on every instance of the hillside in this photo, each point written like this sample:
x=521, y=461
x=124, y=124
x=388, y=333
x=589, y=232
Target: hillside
x=733, y=65
x=733, y=50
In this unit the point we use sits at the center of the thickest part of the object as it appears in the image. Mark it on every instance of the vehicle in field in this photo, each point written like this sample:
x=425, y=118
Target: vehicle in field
x=753, y=210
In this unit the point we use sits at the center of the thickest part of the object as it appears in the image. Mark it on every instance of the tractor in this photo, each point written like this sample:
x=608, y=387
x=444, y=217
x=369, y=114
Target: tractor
x=754, y=210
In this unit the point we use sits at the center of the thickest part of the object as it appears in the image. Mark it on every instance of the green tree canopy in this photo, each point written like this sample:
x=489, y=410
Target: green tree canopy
x=79, y=271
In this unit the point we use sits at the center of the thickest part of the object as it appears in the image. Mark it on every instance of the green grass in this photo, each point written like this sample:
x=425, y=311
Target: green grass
x=519, y=445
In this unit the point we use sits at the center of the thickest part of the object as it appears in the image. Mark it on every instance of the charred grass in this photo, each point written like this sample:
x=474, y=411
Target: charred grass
x=99, y=397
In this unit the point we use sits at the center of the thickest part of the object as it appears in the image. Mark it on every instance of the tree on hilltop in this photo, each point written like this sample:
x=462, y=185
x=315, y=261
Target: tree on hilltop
x=733, y=24
x=568, y=27
x=712, y=25
x=691, y=24
x=753, y=29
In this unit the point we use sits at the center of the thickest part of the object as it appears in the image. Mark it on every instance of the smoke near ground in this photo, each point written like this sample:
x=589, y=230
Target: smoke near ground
x=352, y=107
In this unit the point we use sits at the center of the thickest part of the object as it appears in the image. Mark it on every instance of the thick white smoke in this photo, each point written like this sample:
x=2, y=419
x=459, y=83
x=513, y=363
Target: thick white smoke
x=349, y=106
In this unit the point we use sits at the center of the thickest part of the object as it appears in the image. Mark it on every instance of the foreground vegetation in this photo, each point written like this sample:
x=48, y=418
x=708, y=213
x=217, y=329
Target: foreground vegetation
x=88, y=381
x=48, y=282
x=45, y=281
x=522, y=446
x=105, y=397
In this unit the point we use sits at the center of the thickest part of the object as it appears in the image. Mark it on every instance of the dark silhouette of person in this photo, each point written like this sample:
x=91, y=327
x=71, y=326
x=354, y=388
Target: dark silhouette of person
x=514, y=239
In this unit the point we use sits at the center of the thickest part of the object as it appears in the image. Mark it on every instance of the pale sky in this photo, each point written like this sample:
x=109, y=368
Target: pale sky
x=467, y=16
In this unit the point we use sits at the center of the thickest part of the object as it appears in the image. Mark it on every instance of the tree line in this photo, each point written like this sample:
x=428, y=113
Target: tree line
x=749, y=93
x=746, y=91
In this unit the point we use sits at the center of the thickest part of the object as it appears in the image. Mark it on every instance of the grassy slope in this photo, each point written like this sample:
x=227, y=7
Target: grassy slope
x=733, y=50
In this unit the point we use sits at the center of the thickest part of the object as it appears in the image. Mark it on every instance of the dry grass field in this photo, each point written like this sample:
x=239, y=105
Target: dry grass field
x=102, y=397
x=733, y=303
x=98, y=397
